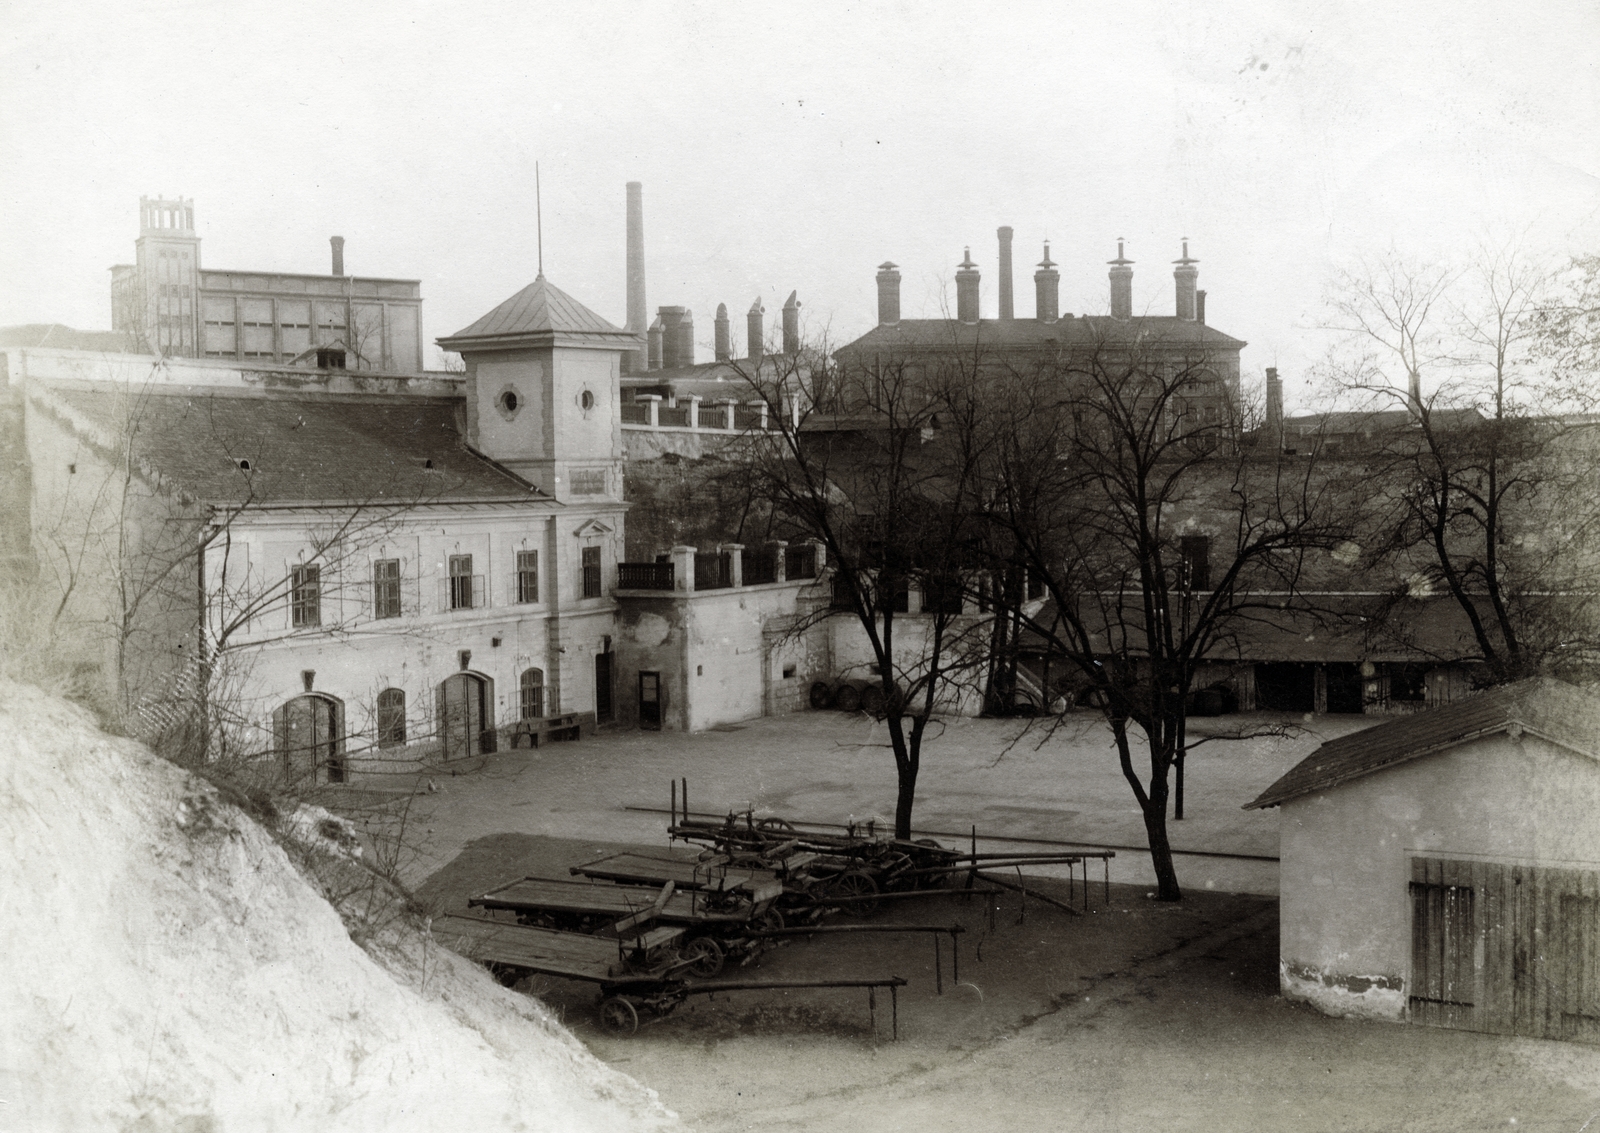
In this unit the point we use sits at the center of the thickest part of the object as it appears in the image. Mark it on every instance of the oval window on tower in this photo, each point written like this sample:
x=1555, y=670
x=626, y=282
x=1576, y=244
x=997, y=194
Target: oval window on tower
x=508, y=403
x=587, y=400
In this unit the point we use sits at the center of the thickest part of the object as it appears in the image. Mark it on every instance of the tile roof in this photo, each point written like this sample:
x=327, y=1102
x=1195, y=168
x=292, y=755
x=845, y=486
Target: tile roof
x=540, y=309
x=303, y=450
x=929, y=334
x=1553, y=710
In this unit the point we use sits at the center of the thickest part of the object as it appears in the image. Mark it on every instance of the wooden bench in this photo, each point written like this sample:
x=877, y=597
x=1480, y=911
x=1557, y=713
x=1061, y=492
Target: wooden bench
x=564, y=727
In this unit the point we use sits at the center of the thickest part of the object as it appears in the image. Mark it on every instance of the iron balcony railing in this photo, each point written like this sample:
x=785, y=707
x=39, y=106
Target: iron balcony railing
x=645, y=576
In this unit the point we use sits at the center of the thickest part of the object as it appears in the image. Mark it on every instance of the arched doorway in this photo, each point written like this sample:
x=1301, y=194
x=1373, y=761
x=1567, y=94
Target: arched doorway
x=466, y=716
x=308, y=733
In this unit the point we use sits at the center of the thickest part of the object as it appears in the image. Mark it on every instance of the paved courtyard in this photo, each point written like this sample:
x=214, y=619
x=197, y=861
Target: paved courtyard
x=1013, y=779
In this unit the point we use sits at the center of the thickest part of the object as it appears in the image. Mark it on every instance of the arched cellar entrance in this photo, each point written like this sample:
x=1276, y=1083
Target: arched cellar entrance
x=308, y=735
x=466, y=716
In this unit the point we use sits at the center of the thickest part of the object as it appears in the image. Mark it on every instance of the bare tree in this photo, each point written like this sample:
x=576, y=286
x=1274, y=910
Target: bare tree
x=1483, y=478
x=1120, y=478
x=852, y=460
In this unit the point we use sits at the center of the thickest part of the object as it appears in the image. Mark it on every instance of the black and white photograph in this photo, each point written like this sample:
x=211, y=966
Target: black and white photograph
x=905, y=567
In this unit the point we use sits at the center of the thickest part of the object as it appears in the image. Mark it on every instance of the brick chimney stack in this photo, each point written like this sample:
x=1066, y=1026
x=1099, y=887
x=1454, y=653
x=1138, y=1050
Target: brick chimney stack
x=1274, y=407
x=791, y=323
x=656, y=347
x=677, y=336
x=338, y=254
x=1200, y=307
x=1184, y=277
x=888, y=294
x=637, y=360
x=721, y=325
x=967, y=288
x=1047, y=289
x=755, y=331
x=1121, y=285
x=1007, y=312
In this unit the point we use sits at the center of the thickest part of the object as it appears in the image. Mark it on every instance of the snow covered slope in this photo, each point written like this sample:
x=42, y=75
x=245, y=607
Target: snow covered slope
x=166, y=966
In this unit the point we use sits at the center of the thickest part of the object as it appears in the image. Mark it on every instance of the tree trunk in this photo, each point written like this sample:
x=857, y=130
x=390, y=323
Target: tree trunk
x=905, y=796
x=1155, y=826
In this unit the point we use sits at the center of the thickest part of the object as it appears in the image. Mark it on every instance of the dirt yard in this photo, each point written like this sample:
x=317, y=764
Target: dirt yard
x=1136, y=1016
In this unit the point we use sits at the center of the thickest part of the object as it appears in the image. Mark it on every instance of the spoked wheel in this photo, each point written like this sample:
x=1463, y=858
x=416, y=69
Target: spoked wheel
x=855, y=884
x=705, y=956
x=618, y=1015
x=821, y=696
x=769, y=921
x=847, y=698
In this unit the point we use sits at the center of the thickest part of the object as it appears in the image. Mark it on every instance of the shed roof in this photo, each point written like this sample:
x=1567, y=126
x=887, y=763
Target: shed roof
x=317, y=451
x=1553, y=710
x=540, y=310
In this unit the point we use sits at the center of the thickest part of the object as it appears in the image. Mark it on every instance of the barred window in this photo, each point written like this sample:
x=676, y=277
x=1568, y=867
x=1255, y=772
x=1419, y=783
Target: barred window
x=391, y=717
x=386, y=588
x=527, y=576
x=460, y=582
x=305, y=595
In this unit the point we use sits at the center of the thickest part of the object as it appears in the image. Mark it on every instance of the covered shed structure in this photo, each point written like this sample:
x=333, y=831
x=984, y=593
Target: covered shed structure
x=1444, y=867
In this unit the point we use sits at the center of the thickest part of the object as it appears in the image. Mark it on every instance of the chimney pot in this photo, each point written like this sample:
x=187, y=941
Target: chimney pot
x=1121, y=284
x=1184, y=276
x=338, y=254
x=721, y=325
x=791, y=323
x=755, y=331
x=888, y=294
x=967, y=278
x=1274, y=408
x=1047, y=289
x=1007, y=311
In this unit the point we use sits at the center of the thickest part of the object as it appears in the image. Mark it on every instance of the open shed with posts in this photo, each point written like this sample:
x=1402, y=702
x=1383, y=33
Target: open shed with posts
x=1444, y=868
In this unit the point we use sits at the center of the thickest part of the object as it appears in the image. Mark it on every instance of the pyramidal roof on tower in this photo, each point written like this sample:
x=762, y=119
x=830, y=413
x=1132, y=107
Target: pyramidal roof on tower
x=541, y=313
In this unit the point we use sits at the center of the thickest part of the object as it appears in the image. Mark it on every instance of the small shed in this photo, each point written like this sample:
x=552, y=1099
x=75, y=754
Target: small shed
x=1444, y=868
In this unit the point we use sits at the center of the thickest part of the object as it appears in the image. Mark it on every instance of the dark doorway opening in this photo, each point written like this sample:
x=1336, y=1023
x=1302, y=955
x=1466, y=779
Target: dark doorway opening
x=602, y=688
x=1286, y=686
x=309, y=735
x=650, y=701
x=1344, y=687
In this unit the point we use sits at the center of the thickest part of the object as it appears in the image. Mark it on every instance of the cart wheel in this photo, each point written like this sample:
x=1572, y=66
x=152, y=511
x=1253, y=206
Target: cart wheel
x=821, y=696
x=617, y=1014
x=873, y=700
x=855, y=884
x=705, y=956
x=775, y=826
x=847, y=699
x=770, y=921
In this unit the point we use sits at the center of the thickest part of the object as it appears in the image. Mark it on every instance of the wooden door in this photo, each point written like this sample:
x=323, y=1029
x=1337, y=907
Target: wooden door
x=650, y=701
x=466, y=717
x=310, y=739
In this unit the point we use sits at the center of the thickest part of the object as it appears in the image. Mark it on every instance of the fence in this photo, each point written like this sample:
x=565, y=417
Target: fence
x=713, y=570
x=758, y=566
x=800, y=562
x=645, y=576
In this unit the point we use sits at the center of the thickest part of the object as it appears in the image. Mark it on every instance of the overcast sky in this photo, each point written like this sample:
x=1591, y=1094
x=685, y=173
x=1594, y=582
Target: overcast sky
x=796, y=146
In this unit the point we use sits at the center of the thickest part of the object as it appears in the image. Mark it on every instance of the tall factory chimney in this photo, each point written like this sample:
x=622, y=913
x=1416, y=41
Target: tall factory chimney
x=1006, y=311
x=1121, y=285
x=755, y=332
x=791, y=323
x=1274, y=407
x=888, y=294
x=967, y=288
x=1184, y=277
x=338, y=254
x=638, y=360
x=721, y=326
x=1047, y=289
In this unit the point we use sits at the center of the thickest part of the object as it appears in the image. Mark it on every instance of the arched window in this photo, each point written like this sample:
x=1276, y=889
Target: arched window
x=532, y=694
x=391, y=717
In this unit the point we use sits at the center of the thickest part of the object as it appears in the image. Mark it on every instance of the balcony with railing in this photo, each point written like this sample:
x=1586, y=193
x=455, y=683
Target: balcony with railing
x=723, y=415
x=646, y=576
x=731, y=566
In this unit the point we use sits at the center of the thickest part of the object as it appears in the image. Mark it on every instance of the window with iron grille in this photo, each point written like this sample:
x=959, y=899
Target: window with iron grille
x=386, y=588
x=532, y=694
x=461, y=582
x=391, y=717
x=305, y=595
x=591, y=572
x=527, y=576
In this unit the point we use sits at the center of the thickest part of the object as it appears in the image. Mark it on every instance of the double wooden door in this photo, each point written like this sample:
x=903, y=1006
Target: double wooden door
x=1512, y=949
